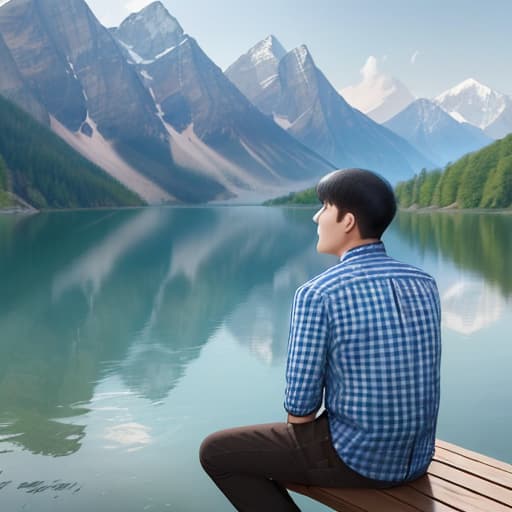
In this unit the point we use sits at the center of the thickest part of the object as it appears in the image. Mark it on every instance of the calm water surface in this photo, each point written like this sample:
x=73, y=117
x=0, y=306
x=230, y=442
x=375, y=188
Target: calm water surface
x=127, y=336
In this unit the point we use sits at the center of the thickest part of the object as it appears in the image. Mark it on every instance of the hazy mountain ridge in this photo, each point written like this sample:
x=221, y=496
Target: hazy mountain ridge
x=300, y=98
x=475, y=103
x=145, y=102
x=478, y=180
x=435, y=133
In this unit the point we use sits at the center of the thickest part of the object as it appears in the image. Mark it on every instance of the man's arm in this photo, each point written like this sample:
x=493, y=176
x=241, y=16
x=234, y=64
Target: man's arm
x=301, y=419
x=307, y=356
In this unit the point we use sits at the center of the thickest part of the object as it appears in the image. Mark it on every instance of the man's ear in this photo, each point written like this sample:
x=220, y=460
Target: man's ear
x=349, y=222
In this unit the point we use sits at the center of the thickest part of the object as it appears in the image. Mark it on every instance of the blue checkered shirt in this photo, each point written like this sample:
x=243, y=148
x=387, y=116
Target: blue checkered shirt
x=366, y=332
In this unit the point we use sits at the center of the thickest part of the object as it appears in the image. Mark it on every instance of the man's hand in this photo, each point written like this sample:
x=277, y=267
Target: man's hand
x=301, y=419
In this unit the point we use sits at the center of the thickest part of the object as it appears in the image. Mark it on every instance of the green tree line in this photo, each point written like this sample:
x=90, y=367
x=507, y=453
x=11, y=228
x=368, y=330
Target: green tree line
x=46, y=172
x=478, y=180
x=307, y=196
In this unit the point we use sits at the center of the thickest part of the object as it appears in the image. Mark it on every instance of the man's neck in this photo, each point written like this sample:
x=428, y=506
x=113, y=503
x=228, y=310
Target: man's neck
x=357, y=243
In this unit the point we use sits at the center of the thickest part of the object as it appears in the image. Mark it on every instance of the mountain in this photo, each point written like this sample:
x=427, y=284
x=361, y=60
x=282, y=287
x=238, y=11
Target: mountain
x=435, y=133
x=212, y=126
x=45, y=172
x=14, y=88
x=482, y=179
x=149, y=30
x=96, y=100
x=255, y=72
x=378, y=95
x=303, y=101
x=477, y=104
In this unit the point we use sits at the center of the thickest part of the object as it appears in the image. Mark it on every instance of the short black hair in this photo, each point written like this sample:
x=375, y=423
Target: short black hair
x=365, y=194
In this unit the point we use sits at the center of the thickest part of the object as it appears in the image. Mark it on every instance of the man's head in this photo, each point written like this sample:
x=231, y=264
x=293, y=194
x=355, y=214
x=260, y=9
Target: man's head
x=358, y=206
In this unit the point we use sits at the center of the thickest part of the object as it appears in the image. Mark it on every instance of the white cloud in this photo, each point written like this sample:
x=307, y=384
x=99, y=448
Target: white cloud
x=377, y=91
x=370, y=69
x=414, y=56
x=136, y=5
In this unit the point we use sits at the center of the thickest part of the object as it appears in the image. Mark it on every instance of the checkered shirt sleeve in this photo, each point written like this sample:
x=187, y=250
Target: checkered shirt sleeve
x=307, y=351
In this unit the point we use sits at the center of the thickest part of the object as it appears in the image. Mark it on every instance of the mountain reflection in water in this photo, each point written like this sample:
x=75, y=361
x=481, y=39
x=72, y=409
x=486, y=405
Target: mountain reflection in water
x=127, y=335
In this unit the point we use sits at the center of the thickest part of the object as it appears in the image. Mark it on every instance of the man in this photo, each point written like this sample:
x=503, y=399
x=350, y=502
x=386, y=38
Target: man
x=365, y=341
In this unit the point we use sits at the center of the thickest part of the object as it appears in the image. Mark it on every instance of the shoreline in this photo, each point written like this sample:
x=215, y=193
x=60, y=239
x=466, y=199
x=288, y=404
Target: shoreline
x=447, y=209
x=16, y=210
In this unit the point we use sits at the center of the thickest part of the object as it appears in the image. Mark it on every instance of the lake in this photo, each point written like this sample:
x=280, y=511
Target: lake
x=126, y=336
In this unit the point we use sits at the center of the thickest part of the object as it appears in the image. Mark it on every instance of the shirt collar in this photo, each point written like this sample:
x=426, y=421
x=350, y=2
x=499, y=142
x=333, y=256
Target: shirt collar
x=364, y=250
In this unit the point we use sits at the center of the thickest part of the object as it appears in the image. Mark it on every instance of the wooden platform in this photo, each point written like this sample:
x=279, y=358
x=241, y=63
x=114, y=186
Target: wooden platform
x=457, y=480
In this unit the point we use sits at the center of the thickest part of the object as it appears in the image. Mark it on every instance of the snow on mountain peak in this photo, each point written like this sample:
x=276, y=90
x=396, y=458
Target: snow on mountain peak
x=156, y=19
x=483, y=91
x=267, y=49
x=473, y=102
x=301, y=54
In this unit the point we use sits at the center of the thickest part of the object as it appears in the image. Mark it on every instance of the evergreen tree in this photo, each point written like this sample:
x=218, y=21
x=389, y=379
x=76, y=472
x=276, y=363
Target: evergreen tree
x=451, y=182
x=3, y=174
x=404, y=193
x=436, y=195
x=46, y=172
x=498, y=189
x=426, y=190
x=481, y=179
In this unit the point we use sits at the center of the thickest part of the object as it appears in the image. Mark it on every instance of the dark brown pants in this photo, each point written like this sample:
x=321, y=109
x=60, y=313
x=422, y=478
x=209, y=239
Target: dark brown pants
x=249, y=464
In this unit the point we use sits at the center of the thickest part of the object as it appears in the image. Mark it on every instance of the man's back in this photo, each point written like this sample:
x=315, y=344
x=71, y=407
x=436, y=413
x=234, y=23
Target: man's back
x=367, y=334
x=368, y=331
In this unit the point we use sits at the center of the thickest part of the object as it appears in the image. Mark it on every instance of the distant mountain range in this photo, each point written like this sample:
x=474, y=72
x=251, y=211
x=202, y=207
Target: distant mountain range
x=477, y=104
x=290, y=88
x=145, y=103
x=435, y=133
x=482, y=179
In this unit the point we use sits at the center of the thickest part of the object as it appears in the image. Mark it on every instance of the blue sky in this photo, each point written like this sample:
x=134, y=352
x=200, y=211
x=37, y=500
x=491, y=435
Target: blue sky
x=451, y=40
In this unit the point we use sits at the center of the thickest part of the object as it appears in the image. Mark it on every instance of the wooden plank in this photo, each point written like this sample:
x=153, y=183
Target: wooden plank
x=354, y=500
x=474, y=455
x=472, y=482
x=322, y=495
x=457, y=497
x=415, y=498
x=458, y=480
x=484, y=471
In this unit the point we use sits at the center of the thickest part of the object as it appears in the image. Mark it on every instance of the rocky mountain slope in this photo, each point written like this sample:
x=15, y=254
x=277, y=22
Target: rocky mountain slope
x=300, y=98
x=211, y=124
x=435, y=133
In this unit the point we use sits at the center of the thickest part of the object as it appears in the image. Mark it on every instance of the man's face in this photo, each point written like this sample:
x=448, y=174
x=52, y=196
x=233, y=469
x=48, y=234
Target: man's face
x=331, y=233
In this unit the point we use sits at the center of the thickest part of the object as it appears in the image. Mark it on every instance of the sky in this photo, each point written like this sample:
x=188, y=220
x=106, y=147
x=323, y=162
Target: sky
x=430, y=45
